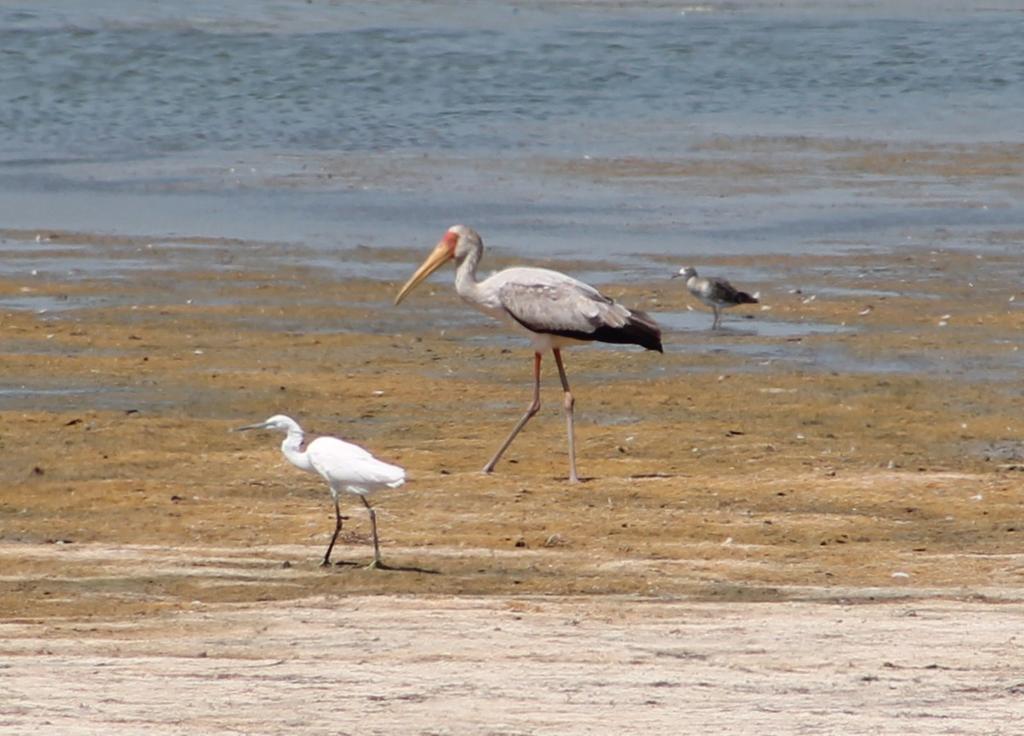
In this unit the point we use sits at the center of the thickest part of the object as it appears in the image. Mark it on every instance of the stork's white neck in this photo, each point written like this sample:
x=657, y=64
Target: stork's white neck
x=292, y=449
x=466, y=283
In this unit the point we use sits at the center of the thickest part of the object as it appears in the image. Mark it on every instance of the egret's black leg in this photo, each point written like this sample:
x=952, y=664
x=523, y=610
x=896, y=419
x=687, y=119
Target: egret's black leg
x=373, y=528
x=337, y=530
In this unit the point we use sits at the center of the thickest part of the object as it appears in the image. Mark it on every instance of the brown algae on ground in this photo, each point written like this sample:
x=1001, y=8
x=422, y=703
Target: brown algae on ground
x=743, y=465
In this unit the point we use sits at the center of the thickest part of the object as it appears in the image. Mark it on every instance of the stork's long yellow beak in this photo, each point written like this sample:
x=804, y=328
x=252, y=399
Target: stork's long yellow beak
x=437, y=258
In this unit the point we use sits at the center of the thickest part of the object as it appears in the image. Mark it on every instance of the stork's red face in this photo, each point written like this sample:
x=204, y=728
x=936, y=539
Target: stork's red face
x=449, y=240
x=443, y=252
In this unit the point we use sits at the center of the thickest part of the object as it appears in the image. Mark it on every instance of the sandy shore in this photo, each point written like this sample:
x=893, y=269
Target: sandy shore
x=498, y=665
x=811, y=523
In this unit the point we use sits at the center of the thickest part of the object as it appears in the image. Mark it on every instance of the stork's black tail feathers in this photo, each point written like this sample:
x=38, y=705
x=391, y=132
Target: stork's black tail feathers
x=743, y=297
x=639, y=329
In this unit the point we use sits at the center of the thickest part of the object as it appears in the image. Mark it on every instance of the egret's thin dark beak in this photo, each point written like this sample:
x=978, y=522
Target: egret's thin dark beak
x=676, y=275
x=261, y=425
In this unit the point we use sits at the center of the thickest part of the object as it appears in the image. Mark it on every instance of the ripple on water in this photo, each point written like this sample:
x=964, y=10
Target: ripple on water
x=52, y=304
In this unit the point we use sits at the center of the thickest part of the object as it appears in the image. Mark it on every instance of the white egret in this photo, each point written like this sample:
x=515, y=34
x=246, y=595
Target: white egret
x=715, y=292
x=555, y=310
x=345, y=467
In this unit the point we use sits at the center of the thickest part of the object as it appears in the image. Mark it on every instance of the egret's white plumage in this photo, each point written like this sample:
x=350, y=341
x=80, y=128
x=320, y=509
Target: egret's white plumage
x=554, y=309
x=345, y=467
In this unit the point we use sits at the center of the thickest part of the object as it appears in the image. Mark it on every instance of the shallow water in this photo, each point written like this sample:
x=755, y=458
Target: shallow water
x=118, y=80
x=735, y=325
x=333, y=124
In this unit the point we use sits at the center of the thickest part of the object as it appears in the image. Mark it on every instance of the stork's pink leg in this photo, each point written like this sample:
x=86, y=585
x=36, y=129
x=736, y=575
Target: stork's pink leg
x=530, y=411
x=568, y=404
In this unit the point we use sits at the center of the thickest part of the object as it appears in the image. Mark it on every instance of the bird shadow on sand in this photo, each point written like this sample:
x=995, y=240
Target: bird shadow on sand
x=586, y=479
x=388, y=568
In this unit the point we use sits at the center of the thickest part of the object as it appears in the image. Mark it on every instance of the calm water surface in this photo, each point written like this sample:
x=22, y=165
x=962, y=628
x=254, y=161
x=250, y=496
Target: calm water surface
x=331, y=123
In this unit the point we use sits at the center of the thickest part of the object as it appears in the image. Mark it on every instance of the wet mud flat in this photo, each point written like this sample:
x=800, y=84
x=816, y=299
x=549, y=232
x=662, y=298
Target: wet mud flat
x=850, y=452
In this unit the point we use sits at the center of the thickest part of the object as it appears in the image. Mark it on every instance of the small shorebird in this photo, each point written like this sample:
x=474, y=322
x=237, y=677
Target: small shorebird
x=556, y=310
x=345, y=467
x=715, y=292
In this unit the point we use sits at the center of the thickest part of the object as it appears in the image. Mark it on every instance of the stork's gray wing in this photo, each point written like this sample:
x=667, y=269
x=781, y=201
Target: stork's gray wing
x=573, y=309
x=560, y=308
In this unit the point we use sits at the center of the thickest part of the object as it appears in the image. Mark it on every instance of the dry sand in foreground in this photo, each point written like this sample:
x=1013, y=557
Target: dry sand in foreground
x=495, y=665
